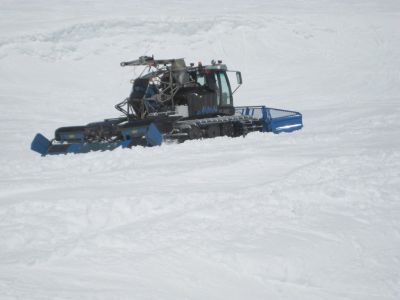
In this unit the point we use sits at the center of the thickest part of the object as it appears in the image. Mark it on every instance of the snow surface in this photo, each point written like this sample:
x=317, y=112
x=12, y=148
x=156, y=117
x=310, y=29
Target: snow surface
x=308, y=215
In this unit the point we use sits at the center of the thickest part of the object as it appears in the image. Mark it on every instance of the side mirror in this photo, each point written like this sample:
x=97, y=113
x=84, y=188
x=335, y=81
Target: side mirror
x=239, y=78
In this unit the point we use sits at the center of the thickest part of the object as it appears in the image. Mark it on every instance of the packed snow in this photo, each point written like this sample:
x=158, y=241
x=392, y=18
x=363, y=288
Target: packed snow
x=309, y=215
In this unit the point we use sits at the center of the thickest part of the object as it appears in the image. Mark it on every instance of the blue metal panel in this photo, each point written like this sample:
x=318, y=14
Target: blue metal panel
x=73, y=148
x=206, y=110
x=153, y=136
x=286, y=124
x=40, y=144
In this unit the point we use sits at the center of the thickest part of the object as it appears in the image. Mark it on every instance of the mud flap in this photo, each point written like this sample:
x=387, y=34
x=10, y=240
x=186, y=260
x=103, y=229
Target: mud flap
x=144, y=136
x=153, y=136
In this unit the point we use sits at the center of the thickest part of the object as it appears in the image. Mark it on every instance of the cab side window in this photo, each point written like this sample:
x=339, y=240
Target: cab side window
x=226, y=95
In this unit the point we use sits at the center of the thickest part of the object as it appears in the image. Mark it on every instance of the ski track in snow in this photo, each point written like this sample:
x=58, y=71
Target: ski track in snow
x=307, y=215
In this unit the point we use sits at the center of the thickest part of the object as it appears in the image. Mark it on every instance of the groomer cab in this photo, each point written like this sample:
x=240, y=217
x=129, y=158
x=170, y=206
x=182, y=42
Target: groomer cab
x=213, y=93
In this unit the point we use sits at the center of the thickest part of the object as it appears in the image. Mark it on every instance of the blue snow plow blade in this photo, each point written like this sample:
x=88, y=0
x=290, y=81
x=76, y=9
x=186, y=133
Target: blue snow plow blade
x=147, y=135
x=273, y=119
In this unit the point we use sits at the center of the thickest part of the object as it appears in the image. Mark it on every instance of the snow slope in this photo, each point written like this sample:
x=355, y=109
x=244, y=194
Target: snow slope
x=308, y=215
